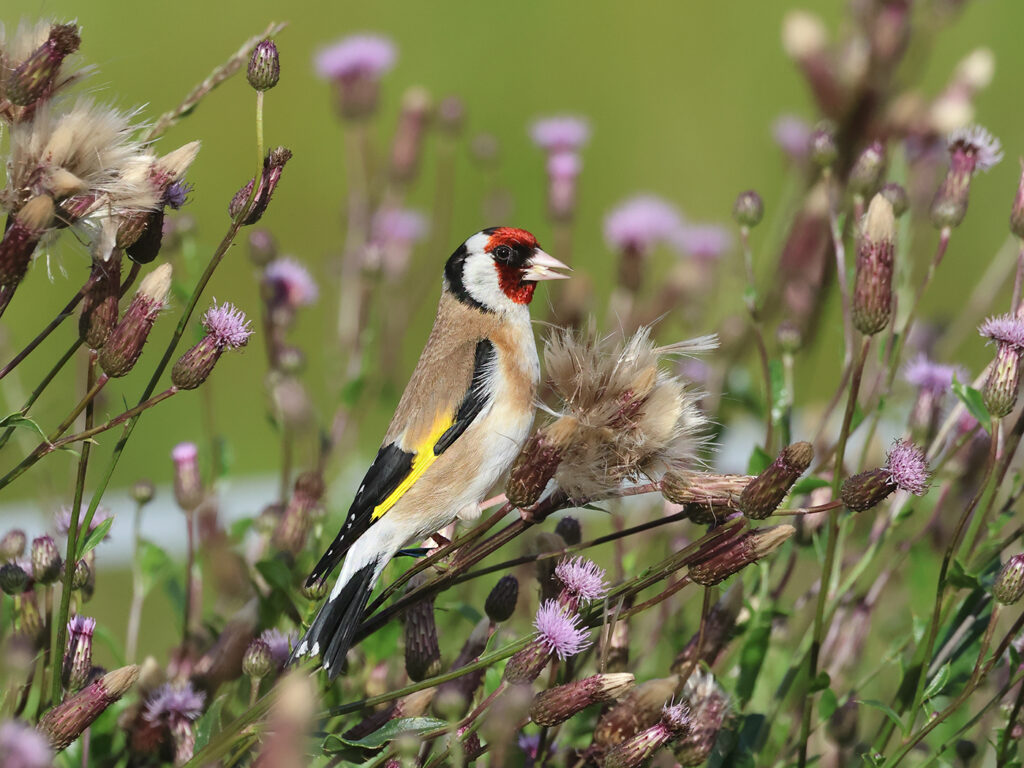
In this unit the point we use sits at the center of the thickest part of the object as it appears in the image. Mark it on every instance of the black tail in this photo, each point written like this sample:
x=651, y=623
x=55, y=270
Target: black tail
x=336, y=623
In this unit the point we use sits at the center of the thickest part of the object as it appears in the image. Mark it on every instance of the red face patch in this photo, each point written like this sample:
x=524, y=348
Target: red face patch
x=510, y=280
x=511, y=237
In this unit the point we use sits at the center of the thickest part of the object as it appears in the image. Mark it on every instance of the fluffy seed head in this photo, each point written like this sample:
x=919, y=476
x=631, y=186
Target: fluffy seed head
x=582, y=578
x=559, y=630
x=560, y=133
x=908, y=467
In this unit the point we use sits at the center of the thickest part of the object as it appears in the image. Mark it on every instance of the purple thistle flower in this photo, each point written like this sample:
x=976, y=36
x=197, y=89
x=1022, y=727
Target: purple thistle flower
x=934, y=378
x=676, y=715
x=176, y=195
x=81, y=625
x=564, y=165
x=174, y=704
x=582, y=578
x=355, y=56
x=228, y=325
x=291, y=282
x=398, y=226
x=976, y=141
x=280, y=644
x=1004, y=329
x=560, y=133
x=22, y=746
x=559, y=630
x=63, y=519
x=793, y=135
x=908, y=467
x=706, y=242
x=641, y=222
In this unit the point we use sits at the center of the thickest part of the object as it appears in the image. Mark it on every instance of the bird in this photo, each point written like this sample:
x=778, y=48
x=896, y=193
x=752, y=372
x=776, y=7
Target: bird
x=461, y=421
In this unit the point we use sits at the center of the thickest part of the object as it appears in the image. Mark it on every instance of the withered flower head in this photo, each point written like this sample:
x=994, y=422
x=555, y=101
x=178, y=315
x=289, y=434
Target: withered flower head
x=971, y=150
x=66, y=722
x=35, y=76
x=273, y=167
x=558, y=704
x=872, y=291
x=766, y=491
x=124, y=345
x=731, y=556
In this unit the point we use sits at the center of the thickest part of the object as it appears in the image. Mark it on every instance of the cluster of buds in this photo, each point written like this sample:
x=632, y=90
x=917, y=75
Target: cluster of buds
x=905, y=469
x=765, y=492
x=675, y=723
x=355, y=65
x=971, y=150
x=124, y=344
x=732, y=554
x=1003, y=383
x=872, y=289
x=273, y=167
x=226, y=328
x=561, y=137
x=63, y=724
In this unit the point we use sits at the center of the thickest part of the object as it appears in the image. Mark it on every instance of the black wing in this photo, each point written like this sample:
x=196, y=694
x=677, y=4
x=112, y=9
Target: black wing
x=393, y=465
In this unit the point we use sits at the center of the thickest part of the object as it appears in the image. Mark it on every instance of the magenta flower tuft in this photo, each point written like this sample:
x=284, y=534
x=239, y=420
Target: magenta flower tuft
x=356, y=56
x=171, y=704
x=280, y=644
x=706, y=242
x=561, y=133
x=977, y=143
x=583, y=578
x=291, y=282
x=81, y=625
x=642, y=222
x=559, y=630
x=907, y=467
x=677, y=716
x=793, y=135
x=934, y=378
x=394, y=226
x=22, y=746
x=176, y=194
x=1004, y=329
x=63, y=519
x=564, y=165
x=227, y=325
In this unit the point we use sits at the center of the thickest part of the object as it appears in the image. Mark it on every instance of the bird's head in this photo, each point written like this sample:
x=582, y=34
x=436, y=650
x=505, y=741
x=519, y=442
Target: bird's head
x=497, y=269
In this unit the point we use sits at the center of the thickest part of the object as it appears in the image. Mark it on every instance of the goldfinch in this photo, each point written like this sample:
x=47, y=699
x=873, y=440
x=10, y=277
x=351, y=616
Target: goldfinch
x=464, y=416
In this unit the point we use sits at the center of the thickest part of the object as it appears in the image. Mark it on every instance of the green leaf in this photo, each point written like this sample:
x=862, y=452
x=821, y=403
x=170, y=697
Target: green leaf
x=18, y=421
x=808, y=484
x=960, y=578
x=827, y=704
x=755, y=647
x=156, y=565
x=759, y=461
x=96, y=535
x=937, y=683
x=398, y=727
x=973, y=401
x=884, y=709
x=820, y=683
x=209, y=722
x=276, y=573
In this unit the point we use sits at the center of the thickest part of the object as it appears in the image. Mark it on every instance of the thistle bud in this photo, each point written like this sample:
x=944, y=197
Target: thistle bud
x=35, y=77
x=422, y=652
x=748, y=210
x=868, y=170
x=501, y=601
x=533, y=469
x=188, y=483
x=13, y=579
x=971, y=150
x=78, y=655
x=766, y=491
x=264, y=66
x=556, y=705
x=45, y=560
x=866, y=489
x=705, y=497
x=637, y=751
x=65, y=722
x=99, y=305
x=227, y=328
x=569, y=529
x=897, y=197
x=407, y=147
x=294, y=526
x=257, y=662
x=872, y=291
x=316, y=591
x=1008, y=587
x=27, y=226
x=737, y=554
x=12, y=545
x=143, y=492
x=905, y=468
x=273, y=167
x=1000, y=390
x=823, y=145
x=124, y=345
x=82, y=575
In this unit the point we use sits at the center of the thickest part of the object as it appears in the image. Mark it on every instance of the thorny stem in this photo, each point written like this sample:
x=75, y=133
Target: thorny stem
x=59, y=632
x=41, y=336
x=830, y=549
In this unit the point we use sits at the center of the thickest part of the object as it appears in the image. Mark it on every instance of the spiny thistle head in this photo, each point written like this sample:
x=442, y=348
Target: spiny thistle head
x=582, y=579
x=226, y=328
x=264, y=66
x=422, y=652
x=622, y=417
x=46, y=560
x=273, y=167
x=35, y=77
x=12, y=544
x=971, y=150
x=78, y=655
x=748, y=210
x=280, y=645
x=1008, y=587
x=172, y=703
x=569, y=529
x=26, y=229
x=1003, y=383
x=709, y=707
x=257, y=662
x=289, y=284
x=872, y=292
x=637, y=751
x=66, y=721
x=14, y=579
x=559, y=630
x=906, y=469
x=725, y=559
x=766, y=491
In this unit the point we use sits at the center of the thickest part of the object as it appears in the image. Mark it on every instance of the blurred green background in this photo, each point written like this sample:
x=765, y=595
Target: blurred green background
x=681, y=97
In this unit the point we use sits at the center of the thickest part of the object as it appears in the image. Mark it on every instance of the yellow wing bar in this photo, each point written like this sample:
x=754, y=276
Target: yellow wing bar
x=421, y=461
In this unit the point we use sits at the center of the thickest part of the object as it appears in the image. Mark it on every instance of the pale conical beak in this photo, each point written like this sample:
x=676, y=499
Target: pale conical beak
x=541, y=266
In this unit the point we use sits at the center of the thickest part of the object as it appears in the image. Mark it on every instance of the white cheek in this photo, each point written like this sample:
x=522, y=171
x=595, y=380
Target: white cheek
x=481, y=280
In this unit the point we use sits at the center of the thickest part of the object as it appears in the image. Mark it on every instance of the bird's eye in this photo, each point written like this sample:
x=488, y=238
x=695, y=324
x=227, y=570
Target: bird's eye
x=503, y=254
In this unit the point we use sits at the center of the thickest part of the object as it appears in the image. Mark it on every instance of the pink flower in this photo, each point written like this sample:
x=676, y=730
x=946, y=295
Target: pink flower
x=280, y=644
x=583, y=578
x=934, y=378
x=706, y=242
x=564, y=165
x=63, y=519
x=1004, y=329
x=908, y=467
x=22, y=746
x=398, y=226
x=793, y=135
x=227, y=325
x=976, y=148
x=291, y=282
x=560, y=133
x=641, y=223
x=356, y=56
x=559, y=630
x=174, y=704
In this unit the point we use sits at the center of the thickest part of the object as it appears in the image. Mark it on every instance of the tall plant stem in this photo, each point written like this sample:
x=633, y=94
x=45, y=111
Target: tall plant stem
x=758, y=328
x=131, y=641
x=806, y=705
x=59, y=632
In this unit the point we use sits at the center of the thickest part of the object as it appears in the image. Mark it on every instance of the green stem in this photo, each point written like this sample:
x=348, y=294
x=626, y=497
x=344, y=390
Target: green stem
x=51, y=374
x=117, y=420
x=1003, y=751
